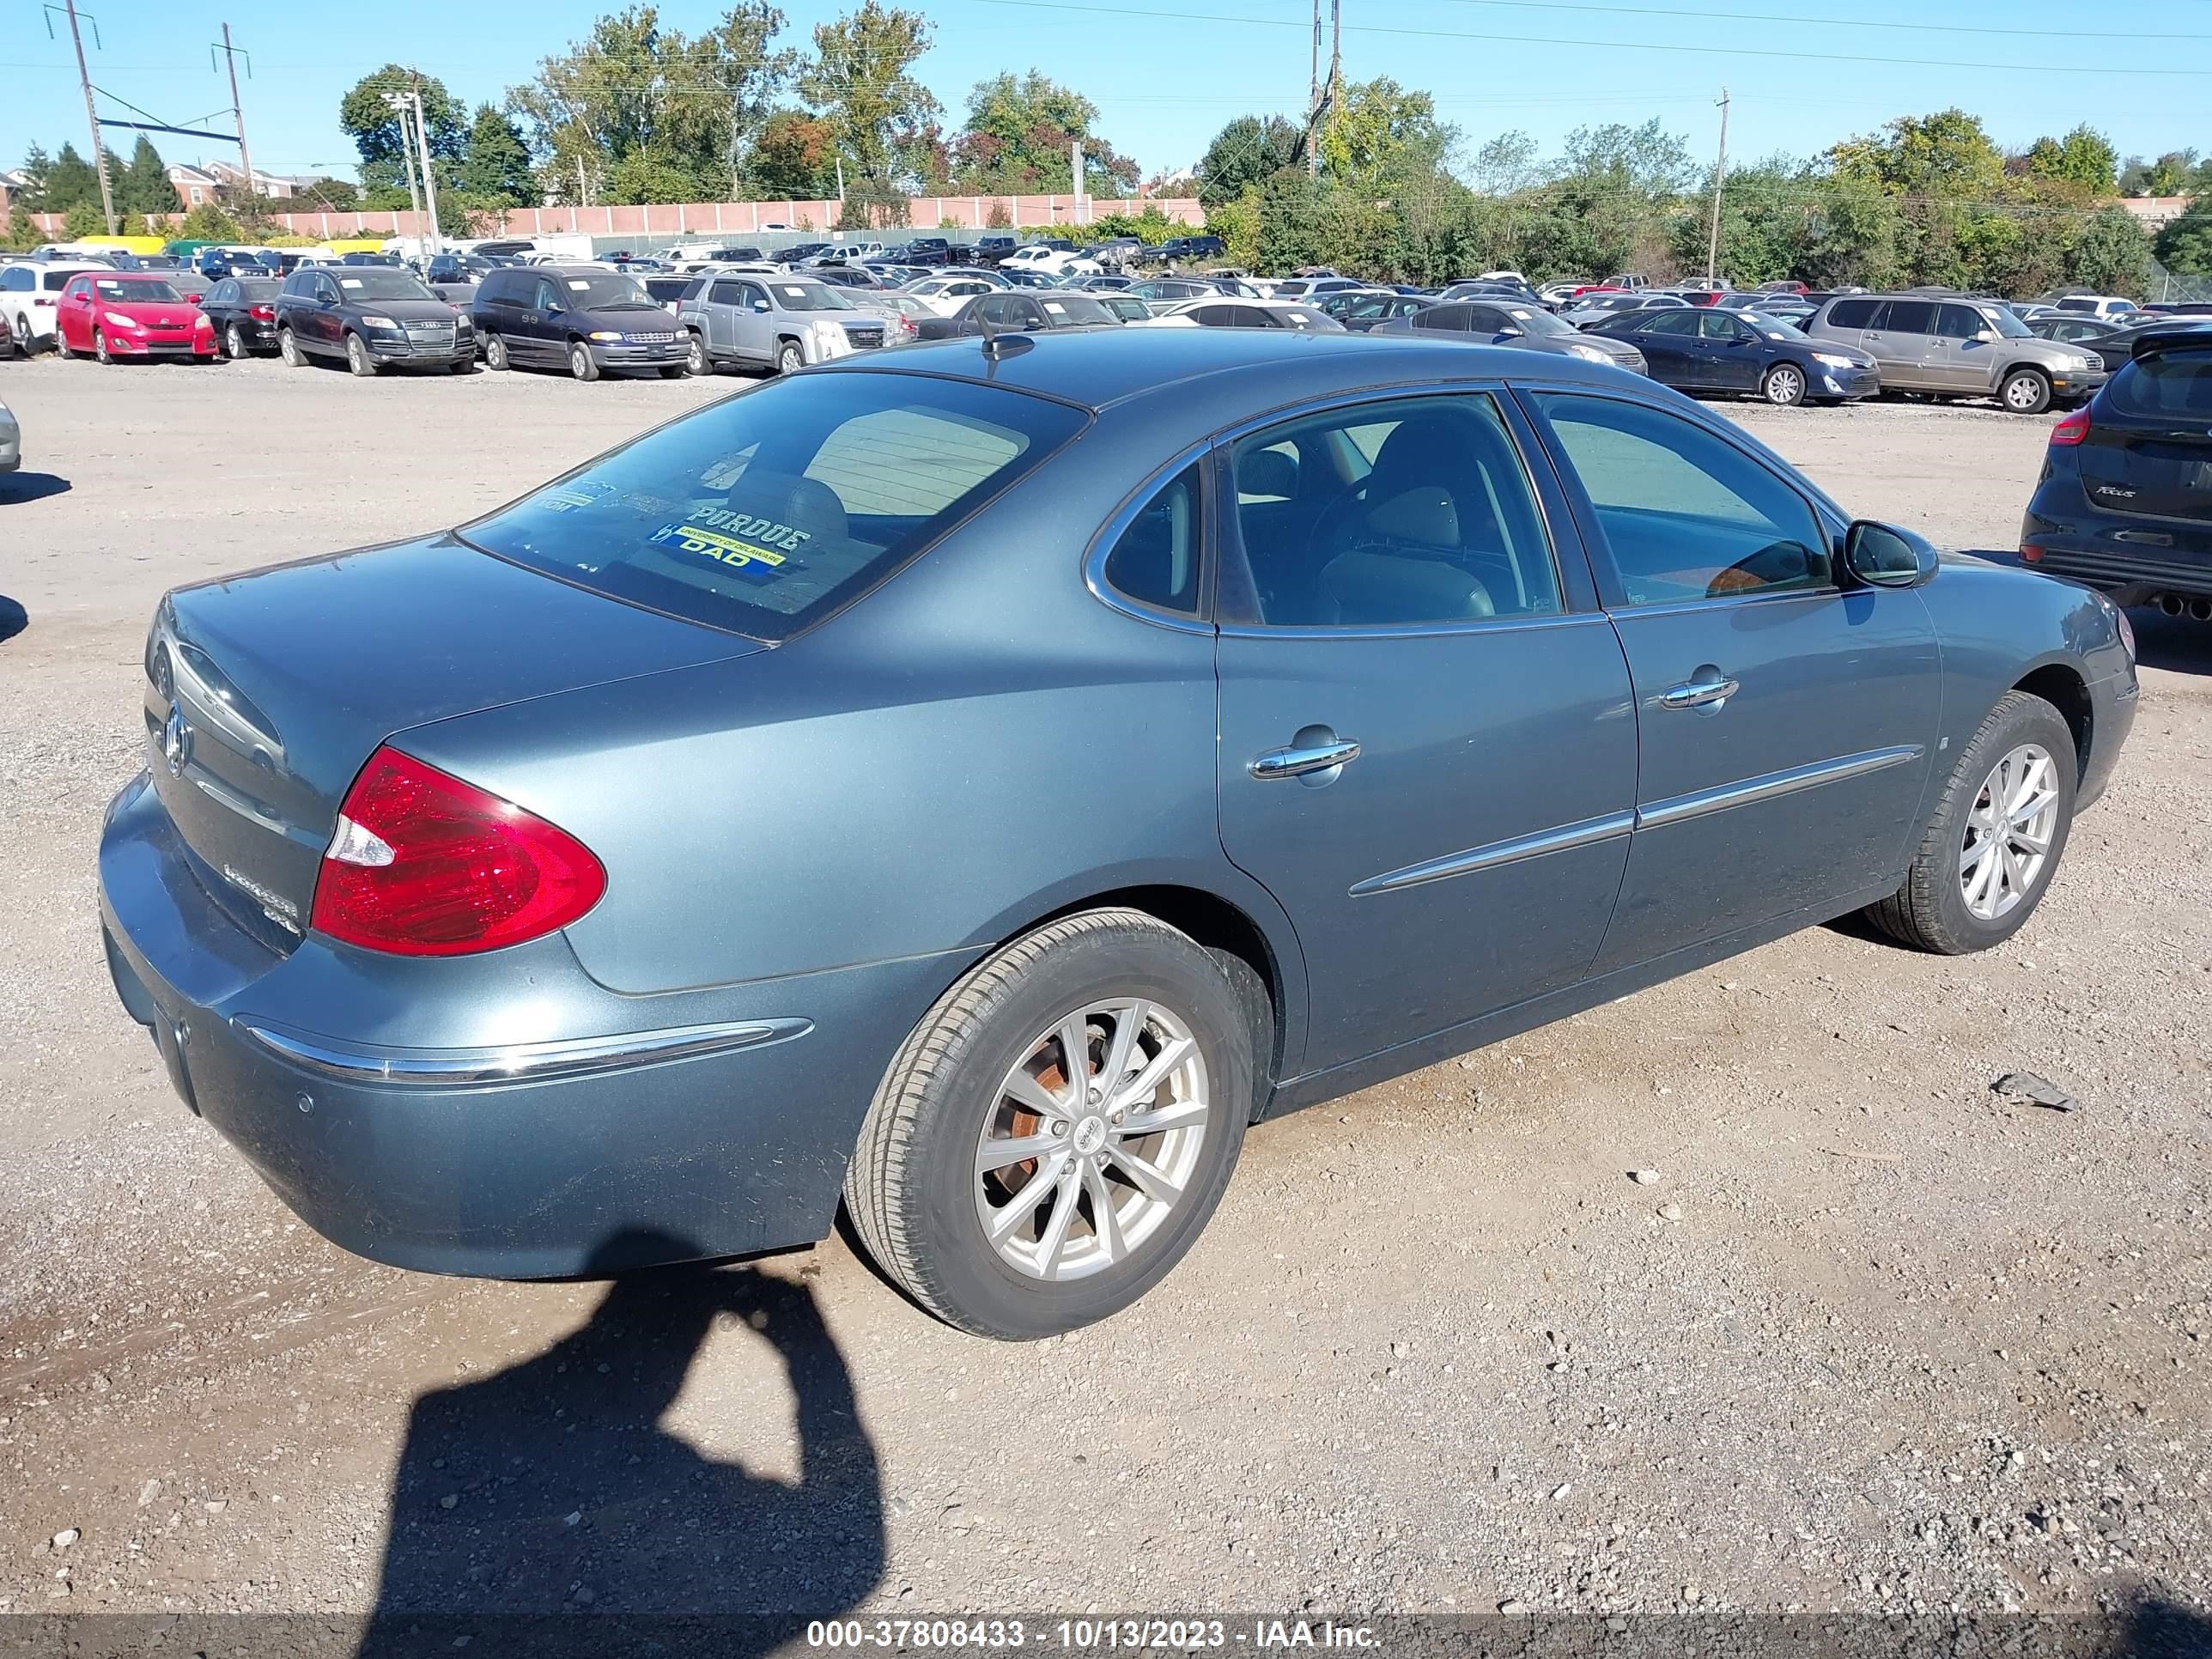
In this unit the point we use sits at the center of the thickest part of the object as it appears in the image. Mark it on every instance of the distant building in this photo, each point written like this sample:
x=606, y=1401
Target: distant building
x=2153, y=212
x=210, y=181
x=195, y=186
x=13, y=181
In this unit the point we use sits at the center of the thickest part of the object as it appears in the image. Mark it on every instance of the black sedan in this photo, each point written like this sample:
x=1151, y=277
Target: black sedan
x=1362, y=309
x=1726, y=350
x=1531, y=328
x=1021, y=312
x=243, y=311
x=2114, y=345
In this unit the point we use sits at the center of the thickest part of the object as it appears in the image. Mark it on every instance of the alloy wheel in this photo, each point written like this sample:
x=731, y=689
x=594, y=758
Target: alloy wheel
x=696, y=361
x=495, y=351
x=1784, y=385
x=789, y=361
x=99, y=347
x=2009, y=832
x=1092, y=1139
x=288, y=348
x=2025, y=394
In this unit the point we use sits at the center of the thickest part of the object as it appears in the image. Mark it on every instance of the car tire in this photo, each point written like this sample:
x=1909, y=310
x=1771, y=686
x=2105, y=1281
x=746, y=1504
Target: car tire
x=2026, y=391
x=696, y=362
x=1966, y=889
x=1782, y=386
x=922, y=1198
x=466, y=365
x=233, y=342
x=26, y=341
x=287, y=348
x=674, y=371
x=100, y=351
x=582, y=365
x=358, y=362
x=494, y=354
x=789, y=358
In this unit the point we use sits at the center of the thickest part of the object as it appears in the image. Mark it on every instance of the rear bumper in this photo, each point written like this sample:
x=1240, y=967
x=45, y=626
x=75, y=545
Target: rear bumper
x=2133, y=561
x=545, y=1128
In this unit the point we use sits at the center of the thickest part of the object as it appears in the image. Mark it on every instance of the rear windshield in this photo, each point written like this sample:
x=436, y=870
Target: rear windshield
x=2176, y=385
x=763, y=511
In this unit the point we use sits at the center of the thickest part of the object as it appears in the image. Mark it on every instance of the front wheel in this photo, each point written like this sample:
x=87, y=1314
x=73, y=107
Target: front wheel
x=2026, y=391
x=581, y=364
x=1053, y=1137
x=287, y=347
x=789, y=359
x=100, y=348
x=1986, y=857
x=1784, y=386
x=695, y=360
x=357, y=357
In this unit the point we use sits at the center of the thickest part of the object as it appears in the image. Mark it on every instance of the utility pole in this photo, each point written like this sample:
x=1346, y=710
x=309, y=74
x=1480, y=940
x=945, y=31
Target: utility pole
x=429, y=173
x=237, y=110
x=840, y=160
x=1313, y=99
x=397, y=100
x=1335, y=54
x=99, y=150
x=1720, y=174
x=583, y=186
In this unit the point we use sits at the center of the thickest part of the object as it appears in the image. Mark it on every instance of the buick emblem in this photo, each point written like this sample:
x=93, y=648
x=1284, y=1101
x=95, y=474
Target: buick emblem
x=176, y=741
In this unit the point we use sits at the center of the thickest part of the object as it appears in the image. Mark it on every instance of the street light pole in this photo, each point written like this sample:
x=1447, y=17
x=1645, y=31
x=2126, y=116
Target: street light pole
x=91, y=114
x=429, y=172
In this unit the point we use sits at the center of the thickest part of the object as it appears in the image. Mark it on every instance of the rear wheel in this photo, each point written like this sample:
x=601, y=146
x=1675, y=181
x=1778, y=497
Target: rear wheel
x=287, y=347
x=1053, y=1137
x=2026, y=391
x=581, y=364
x=1988, y=853
x=495, y=351
x=789, y=359
x=26, y=341
x=1783, y=385
x=233, y=341
x=357, y=357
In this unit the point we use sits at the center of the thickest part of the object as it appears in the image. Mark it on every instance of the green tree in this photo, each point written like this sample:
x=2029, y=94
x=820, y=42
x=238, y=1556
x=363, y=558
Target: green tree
x=68, y=181
x=374, y=125
x=1379, y=134
x=2169, y=175
x=38, y=167
x=729, y=80
x=209, y=224
x=494, y=168
x=143, y=186
x=1246, y=152
x=83, y=221
x=2109, y=252
x=23, y=234
x=859, y=79
x=1018, y=136
x=1948, y=153
x=2184, y=244
x=2084, y=157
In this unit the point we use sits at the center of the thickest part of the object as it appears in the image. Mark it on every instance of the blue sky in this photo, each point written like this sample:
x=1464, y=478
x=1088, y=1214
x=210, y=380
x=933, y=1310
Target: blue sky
x=1165, y=87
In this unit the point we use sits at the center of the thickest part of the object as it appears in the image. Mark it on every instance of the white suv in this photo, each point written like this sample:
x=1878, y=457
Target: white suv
x=2106, y=307
x=28, y=289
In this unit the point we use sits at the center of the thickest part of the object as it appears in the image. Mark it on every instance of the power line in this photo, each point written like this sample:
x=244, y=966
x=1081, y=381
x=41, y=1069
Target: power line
x=1488, y=38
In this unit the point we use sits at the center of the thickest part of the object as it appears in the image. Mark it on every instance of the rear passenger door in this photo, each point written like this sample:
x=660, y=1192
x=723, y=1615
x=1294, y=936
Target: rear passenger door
x=1427, y=753
x=1669, y=344
x=1786, y=728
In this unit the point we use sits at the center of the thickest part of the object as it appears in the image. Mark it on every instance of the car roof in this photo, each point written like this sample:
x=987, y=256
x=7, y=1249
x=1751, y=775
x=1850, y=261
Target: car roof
x=1215, y=375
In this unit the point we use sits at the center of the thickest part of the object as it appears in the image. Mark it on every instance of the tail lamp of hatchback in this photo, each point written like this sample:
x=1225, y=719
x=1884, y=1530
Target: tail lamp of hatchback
x=422, y=864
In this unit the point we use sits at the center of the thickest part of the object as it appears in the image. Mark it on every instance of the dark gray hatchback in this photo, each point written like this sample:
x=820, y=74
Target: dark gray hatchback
x=977, y=783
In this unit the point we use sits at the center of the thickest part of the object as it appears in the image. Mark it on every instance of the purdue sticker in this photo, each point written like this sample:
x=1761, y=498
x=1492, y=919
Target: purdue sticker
x=754, y=564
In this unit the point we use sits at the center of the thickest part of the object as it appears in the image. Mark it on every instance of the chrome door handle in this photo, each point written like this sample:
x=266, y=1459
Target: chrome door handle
x=1696, y=693
x=1297, y=763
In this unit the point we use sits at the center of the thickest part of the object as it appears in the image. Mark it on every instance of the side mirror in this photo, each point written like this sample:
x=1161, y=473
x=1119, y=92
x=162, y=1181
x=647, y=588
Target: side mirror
x=760, y=304
x=1986, y=335
x=1883, y=555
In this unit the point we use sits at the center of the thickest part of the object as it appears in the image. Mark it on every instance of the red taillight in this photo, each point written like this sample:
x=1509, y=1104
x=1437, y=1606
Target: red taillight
x=263, y=313
x=2030, y=553
x=2071, y=430
x=424, y=865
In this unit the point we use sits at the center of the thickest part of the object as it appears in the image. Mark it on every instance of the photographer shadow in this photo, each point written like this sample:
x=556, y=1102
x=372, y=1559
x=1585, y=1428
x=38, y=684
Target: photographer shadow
x=544, y=1509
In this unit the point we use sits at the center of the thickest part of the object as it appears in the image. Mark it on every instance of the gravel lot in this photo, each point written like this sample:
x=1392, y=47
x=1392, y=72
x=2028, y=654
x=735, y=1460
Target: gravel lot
x=1876, y=1339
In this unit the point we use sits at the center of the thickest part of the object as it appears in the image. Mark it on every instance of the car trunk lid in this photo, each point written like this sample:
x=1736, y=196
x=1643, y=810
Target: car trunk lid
x=266, y=692
x=2149, y=449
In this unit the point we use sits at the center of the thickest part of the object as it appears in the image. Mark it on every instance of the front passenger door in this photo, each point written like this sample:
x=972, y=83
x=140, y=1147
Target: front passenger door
x=1785, y=728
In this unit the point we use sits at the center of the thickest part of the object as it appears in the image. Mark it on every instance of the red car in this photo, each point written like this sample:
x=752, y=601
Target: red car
x=121, y=313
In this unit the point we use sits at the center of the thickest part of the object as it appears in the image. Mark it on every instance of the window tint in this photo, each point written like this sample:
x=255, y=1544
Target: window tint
x=1686, y=516
x=1485, y=319
x=727, y=294
x=1680, y=323
x=1959, y=322
x=2175, y=384
x=1417, y=510
x=760, y=513
x=1444, y=316
x=1852, y=313
x=1212, y=316
x=1716, y=325
x=1156, y=560
x=1908, y=317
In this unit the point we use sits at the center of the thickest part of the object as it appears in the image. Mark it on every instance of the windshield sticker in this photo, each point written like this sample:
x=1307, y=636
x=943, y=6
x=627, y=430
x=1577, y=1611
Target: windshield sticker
x=580, y=283
x=349, y=282
x=585, y=492
x=1056, y=308
x=753, y=562
x=795, y=292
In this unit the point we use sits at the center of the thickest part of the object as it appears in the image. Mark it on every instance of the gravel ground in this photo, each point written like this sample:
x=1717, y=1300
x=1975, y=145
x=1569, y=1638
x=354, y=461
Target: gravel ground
x=1872, y=1338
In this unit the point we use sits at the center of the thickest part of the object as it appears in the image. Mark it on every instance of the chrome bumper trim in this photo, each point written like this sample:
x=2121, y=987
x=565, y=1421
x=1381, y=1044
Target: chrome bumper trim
x=529, y=1062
